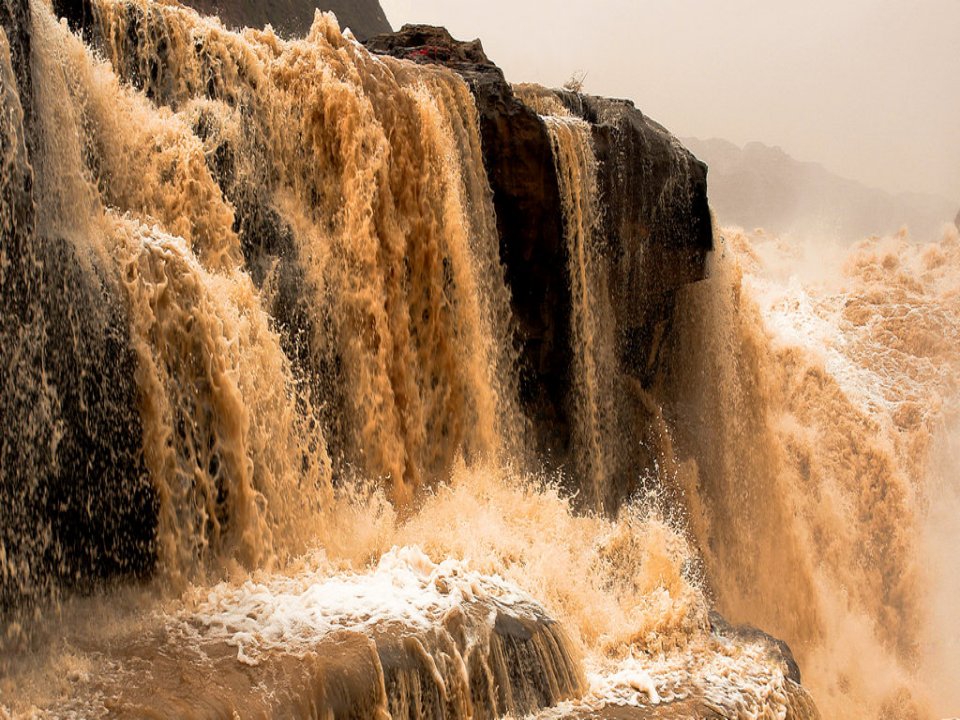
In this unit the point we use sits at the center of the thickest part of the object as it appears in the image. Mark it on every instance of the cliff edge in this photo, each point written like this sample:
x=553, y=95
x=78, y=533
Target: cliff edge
x=289, y=17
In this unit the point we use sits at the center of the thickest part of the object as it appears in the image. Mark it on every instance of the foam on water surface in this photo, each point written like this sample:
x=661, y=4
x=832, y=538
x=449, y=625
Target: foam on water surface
x=288, y=613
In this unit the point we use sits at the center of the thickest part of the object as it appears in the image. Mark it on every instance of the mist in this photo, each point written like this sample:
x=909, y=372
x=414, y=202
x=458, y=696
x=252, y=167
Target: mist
x=866, y=87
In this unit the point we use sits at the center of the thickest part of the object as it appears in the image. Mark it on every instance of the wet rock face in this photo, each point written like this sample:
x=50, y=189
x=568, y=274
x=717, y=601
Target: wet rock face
x=76, y=507
x=526, y=195
x=15, y=19
x=777, y=650
x=523, y=664
x=98, y=499
x=520, y=168
x=800, y=707
x=656, y=227
x=486, y=659
x=20, y=337
x=270, y=251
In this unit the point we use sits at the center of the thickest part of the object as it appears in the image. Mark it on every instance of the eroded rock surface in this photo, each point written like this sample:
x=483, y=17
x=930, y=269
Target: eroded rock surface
x=407, y=640
x=654, y=235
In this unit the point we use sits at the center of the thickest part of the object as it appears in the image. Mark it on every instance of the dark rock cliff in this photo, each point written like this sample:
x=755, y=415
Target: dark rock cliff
x=294, y=17
x=656, y=231
x=526, y=195
x=290, y=17
x=656, y=225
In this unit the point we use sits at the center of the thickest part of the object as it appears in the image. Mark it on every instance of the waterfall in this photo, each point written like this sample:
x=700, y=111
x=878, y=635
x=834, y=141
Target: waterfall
x=287, y=432
x=223, y=441
x=592, y=336
x=369, y=168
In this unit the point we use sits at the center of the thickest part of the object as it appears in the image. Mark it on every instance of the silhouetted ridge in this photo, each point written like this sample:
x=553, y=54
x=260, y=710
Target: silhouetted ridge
x=761, y=186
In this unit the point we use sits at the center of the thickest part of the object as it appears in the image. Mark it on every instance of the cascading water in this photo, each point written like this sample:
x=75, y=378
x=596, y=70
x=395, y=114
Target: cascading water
x=223, y=442
x=258, y=340
x=813, y=424
x=821, y=418
x=594, y=366
x=371, y=166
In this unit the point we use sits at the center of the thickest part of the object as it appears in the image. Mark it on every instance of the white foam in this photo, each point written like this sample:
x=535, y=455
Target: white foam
x=627, y=684
x=738, y=680
x=796, y=318
x=293, y=613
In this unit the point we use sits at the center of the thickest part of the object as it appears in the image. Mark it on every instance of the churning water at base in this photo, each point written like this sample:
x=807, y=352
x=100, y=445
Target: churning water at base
x=296, y=244
x=370, y=625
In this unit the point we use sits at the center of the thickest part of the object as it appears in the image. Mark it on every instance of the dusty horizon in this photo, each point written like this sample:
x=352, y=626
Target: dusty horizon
x=872, y=91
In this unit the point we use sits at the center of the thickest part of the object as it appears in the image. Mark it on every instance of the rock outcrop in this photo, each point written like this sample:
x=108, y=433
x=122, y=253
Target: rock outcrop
x=484, y=657
x=656, y=232
x=778, y=652
x=526, y=195
x=655, y=224
x=289, y=17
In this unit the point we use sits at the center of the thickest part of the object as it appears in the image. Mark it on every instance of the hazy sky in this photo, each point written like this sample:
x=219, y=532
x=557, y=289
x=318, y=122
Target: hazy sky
x=870, y=88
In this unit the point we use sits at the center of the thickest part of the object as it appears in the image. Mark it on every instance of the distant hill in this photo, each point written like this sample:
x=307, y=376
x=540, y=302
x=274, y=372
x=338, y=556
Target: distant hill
x=294, y=17
x=762, y=186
